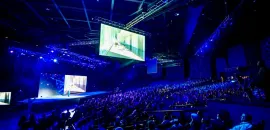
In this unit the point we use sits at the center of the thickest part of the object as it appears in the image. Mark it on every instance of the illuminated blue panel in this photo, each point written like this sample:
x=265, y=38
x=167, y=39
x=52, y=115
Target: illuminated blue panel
x=236, y=56
x=152, y=66
x=220, y=65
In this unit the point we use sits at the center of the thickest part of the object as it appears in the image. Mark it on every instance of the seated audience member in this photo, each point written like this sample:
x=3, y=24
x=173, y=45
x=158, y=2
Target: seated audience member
x=101, y=127
x=165, y=123
x=166, y=120
x=206, y=124
x=245, y=123
x=61, y=122
x=43, y=122
x=22, y=120
x=68, y=114
x=218, y=123
x=32, y=121
x=118, y=126
x=175, y=123
x=259, y=126
x=151, y=125
x=195, y=123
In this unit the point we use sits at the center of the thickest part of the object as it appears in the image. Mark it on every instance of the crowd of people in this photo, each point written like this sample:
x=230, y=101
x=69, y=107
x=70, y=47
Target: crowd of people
x=134, y=109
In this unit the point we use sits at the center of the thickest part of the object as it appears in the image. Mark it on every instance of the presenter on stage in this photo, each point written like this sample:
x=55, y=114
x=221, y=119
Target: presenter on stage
x=71, y=87
x=68, y=92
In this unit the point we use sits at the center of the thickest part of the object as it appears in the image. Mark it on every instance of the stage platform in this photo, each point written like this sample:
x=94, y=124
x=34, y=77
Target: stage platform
x=63, y=97
x=43, y=104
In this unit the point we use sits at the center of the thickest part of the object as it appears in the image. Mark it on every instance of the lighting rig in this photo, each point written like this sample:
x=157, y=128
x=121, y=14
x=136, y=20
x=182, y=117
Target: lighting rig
x=153, y=9
x=77, y=43
x=168, y=59
x=214, y=36
x=76, y=56
x=227, y=22
x=56, y=55
x=83, y=43
x=121, y=26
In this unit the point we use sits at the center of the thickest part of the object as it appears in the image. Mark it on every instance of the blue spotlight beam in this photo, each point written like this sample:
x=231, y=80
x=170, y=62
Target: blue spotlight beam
x=86, y=15
x=6, y=24
x=141, y=4
x=138, y=1
x=73, y=38
x=60, y=12
x=112, y=6
x=216, y=34
x=76, y=20
x=139, y=8
x=35, y=12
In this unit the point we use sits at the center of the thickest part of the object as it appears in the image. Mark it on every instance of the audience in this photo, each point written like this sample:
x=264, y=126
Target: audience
x=132, y=109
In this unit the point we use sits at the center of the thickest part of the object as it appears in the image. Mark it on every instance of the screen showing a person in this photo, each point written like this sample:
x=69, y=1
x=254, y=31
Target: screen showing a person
x=75, y=84
x=5, y=98
x=120, y=43
x=51, y=85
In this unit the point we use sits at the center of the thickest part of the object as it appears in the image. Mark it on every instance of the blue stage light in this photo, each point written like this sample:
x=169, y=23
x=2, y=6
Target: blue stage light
x=227, y=22
x=11, y=51
x=55, y=60
x=41, y=57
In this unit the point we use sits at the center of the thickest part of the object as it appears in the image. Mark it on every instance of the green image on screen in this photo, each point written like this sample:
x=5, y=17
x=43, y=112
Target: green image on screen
x=120, y=43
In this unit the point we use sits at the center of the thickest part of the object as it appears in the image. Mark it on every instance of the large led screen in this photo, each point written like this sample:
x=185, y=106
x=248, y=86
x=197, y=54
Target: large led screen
x=51, y=85
x=5, y=98
x=75, y=84
x=120, y=43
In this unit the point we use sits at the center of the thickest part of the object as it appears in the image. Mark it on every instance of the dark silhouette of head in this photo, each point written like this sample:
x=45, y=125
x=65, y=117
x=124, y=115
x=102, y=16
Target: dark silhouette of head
x=246, y=117
x=260, y=63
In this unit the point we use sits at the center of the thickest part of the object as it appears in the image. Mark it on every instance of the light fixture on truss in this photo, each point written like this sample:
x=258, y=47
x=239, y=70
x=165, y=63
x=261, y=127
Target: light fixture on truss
x=83, y=43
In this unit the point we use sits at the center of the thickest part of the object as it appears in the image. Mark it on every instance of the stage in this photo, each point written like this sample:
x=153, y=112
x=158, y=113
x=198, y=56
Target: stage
x=63, y=97
x=43, y=104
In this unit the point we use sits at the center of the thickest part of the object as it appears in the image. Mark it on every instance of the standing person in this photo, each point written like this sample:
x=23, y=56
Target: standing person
x=261, y=79
x=68, y=92
x=222, y=79
x=30, y=103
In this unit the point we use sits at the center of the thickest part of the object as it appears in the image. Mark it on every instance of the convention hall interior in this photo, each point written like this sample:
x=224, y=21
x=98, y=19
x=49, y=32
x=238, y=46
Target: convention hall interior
x=134, y=65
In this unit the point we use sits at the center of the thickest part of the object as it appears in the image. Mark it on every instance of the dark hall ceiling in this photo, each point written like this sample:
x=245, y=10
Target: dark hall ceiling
x=42, y=22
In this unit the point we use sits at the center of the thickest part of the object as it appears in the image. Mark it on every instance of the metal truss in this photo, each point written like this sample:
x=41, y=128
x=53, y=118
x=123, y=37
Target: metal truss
x=121, y=26
x=153, y=9
x=61, y=55
x=84, y=43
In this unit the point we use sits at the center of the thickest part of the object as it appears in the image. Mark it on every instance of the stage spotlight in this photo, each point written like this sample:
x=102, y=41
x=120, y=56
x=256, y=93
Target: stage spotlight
x=11, y=51
x=176, y=14
x=55, y=60
x=52, y=51
x=41, y=57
